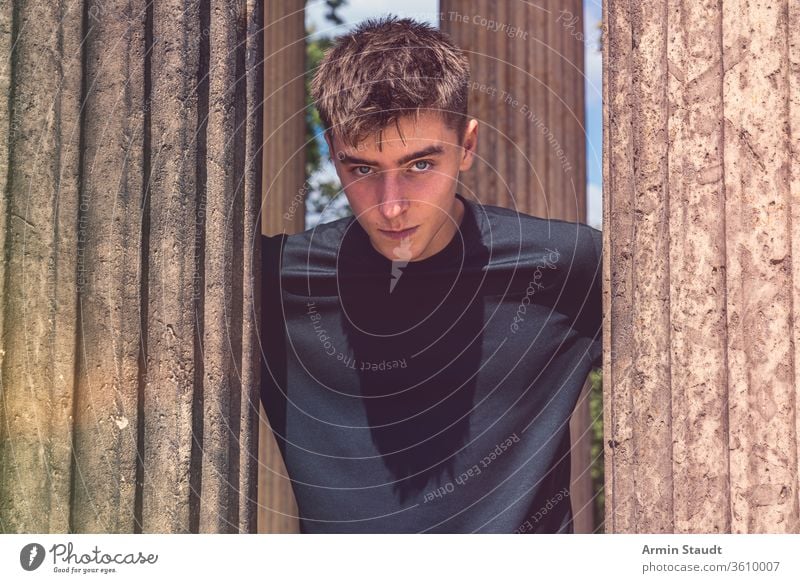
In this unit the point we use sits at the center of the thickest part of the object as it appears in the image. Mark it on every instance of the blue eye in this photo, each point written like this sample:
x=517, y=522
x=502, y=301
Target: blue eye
x=428, y=167
x=357, y=168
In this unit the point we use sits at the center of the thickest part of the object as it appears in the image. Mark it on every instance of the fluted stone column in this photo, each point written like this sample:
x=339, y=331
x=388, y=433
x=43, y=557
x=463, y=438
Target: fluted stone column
x=526, y=60
x=702, y=233
x=283, y=211
x=40, y=91
x=527, y=93
x=131, y=193
x=284, y=118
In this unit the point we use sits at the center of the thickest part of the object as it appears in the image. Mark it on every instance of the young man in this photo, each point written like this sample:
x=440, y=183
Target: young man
x=424, y=356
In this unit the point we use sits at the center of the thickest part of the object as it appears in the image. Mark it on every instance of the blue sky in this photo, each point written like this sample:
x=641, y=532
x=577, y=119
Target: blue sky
x=426, y=10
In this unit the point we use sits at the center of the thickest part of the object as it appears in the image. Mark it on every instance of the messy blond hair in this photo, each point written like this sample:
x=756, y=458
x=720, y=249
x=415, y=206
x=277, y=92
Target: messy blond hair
x=387, y=68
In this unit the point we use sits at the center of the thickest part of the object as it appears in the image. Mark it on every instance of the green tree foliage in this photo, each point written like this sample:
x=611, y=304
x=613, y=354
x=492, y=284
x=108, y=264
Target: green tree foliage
x=333, y=6
x=315, y=50
x=597, y=470
x=321, y=193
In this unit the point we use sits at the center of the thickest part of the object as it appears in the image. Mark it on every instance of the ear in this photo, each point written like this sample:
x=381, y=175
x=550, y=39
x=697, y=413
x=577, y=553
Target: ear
x=470, y=145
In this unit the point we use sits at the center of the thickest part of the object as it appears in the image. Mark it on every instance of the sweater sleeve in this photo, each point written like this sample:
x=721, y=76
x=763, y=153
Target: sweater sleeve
x=273, y=335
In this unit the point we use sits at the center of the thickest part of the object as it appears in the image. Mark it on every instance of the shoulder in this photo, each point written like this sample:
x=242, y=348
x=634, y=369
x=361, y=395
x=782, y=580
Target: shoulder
x=312, y=249
x=323, y=234
x=570, y=240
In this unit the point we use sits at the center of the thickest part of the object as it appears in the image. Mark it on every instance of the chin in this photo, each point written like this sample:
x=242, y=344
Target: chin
x=398, y=251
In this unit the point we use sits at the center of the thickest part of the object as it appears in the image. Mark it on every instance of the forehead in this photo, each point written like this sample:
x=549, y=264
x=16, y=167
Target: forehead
x=414, y=133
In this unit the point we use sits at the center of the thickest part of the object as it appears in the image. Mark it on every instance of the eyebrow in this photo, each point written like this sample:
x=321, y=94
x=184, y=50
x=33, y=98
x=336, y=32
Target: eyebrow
x=429, y=151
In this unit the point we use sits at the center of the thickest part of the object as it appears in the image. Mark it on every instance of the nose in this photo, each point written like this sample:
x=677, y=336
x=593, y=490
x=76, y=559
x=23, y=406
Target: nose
x=392, y=202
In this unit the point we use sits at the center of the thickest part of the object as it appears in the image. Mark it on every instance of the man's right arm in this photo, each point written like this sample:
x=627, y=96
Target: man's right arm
x=272, y=332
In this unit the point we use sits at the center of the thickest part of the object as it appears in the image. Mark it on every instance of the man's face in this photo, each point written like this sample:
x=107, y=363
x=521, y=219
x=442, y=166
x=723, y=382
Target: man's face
x=407, y=186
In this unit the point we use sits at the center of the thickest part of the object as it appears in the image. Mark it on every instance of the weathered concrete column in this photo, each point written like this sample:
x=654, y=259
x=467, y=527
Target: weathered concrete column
x=526, y=60
x=527, y=93
x=702, y=237
x=283, y=211
x=40, y=91
x=131, y=193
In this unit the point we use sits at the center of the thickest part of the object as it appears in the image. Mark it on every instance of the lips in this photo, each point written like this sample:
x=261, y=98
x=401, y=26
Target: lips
x=399, y=234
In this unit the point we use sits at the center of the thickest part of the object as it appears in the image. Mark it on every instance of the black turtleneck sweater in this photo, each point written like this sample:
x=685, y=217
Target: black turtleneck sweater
x=436, y=399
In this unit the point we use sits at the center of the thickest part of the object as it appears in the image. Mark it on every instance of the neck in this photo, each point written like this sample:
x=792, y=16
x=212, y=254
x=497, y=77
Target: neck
x=447, y=231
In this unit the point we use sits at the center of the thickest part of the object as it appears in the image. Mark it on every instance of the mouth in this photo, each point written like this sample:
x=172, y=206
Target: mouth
x=399, y=234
